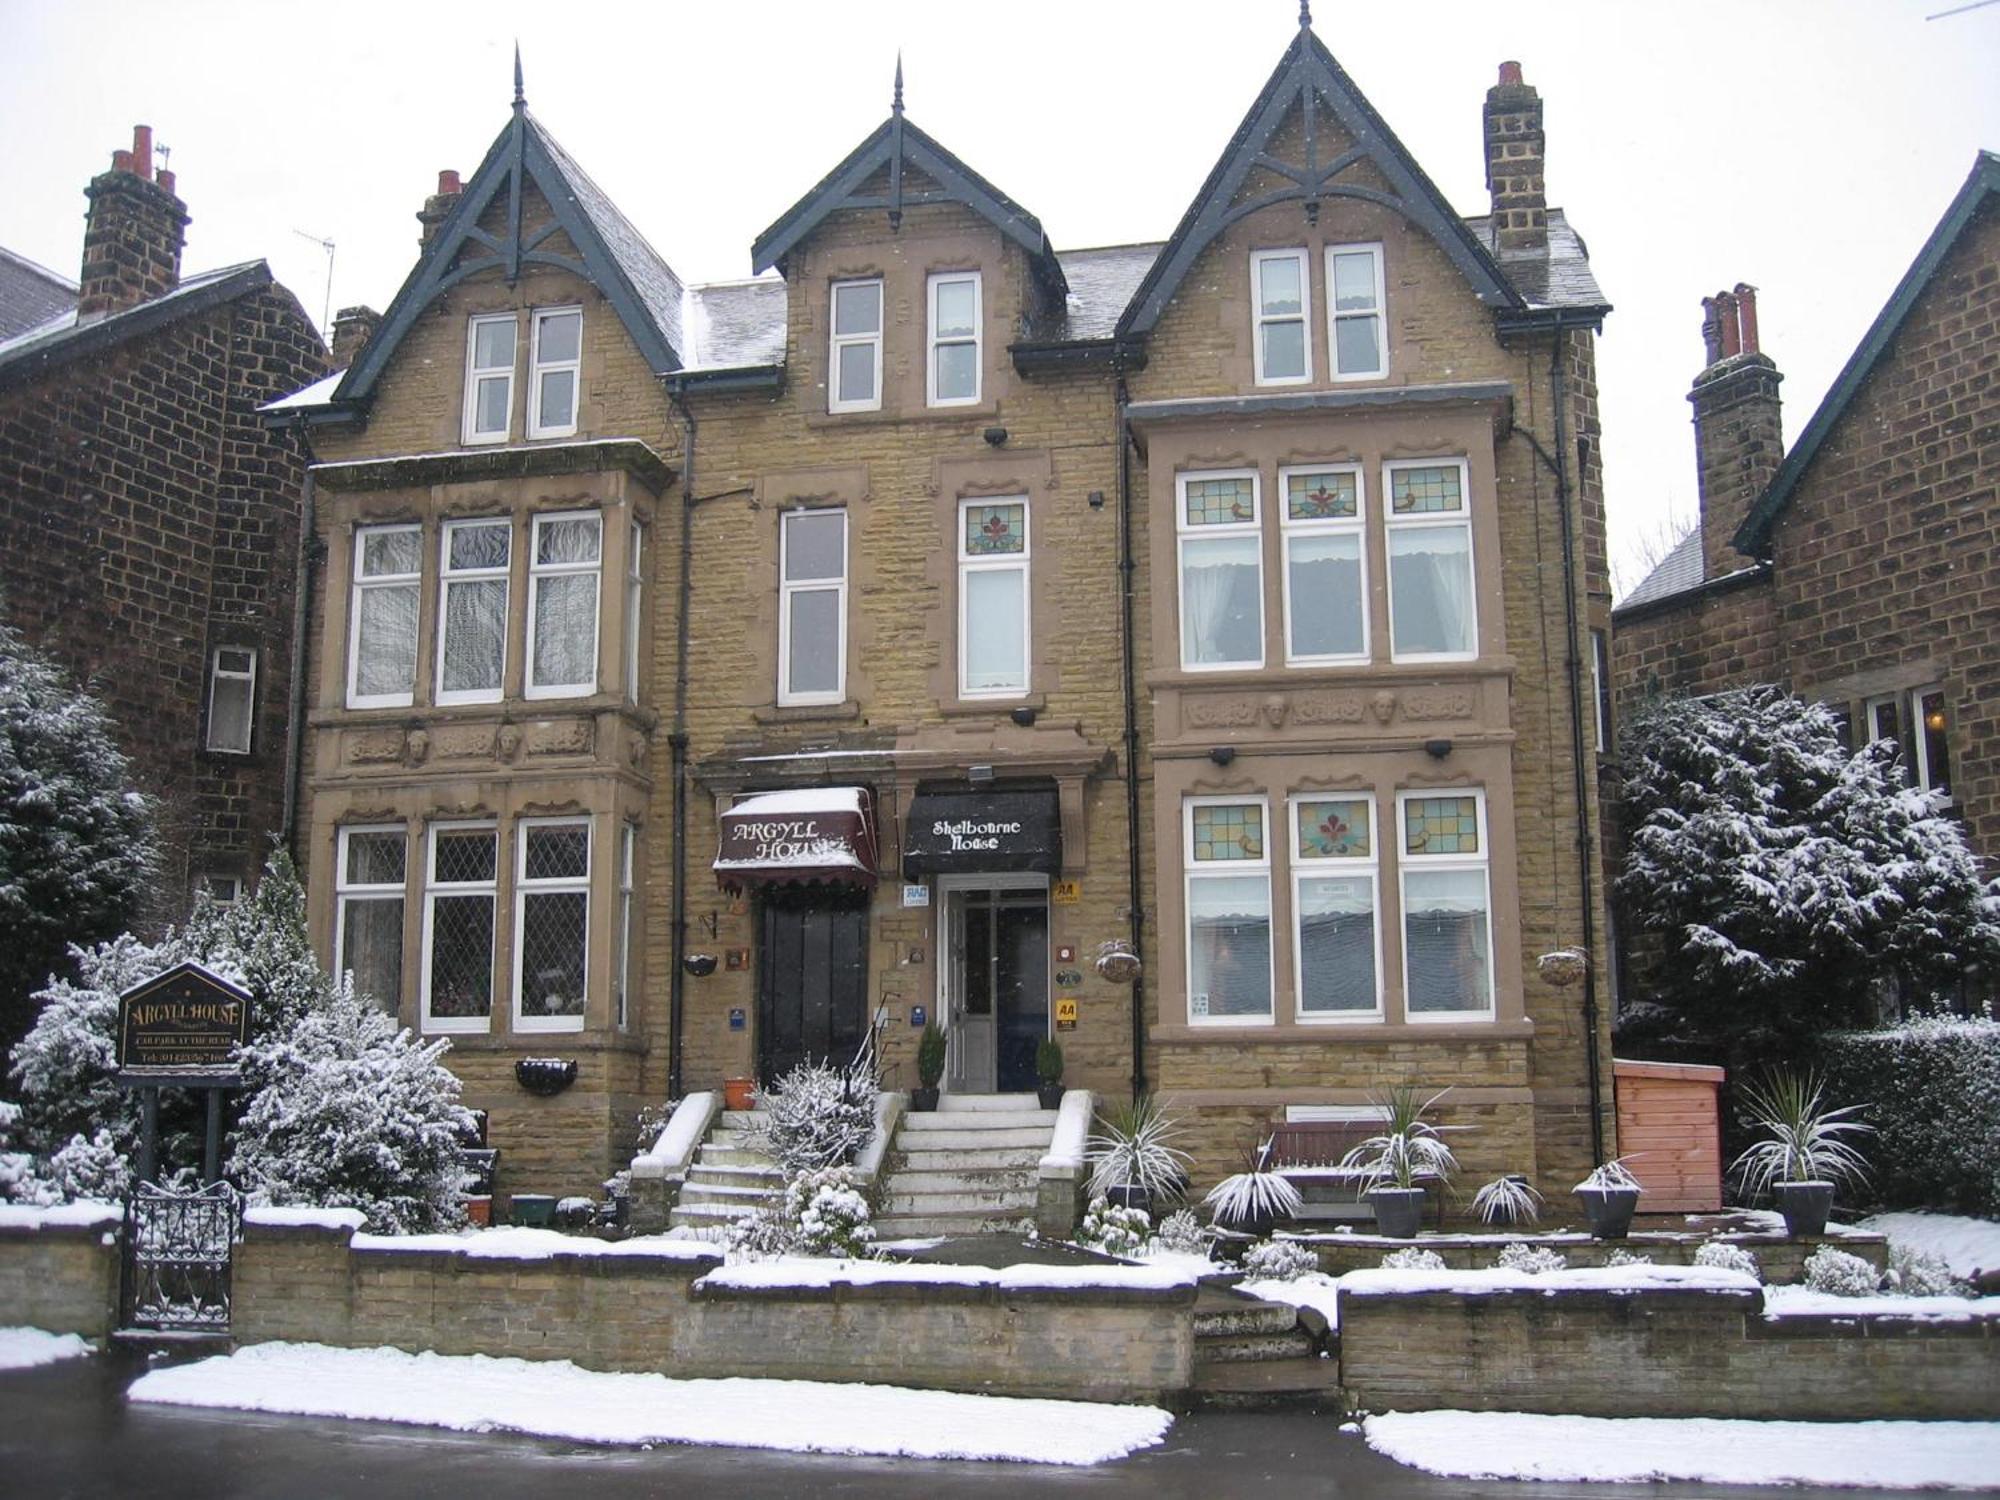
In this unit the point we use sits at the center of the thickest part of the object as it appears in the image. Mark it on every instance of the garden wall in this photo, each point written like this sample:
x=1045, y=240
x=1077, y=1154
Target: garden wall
x=1660, y=1353
x=609, y=1310
x=1780, y=1259
x=59, y=1269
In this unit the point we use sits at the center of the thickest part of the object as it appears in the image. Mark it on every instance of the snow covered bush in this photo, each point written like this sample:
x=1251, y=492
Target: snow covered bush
x=1839, y=1274
x=1917, y=1273
x=76, y=846
x=1532, y=1258
x=1413, y=1258
x=1114, y=1229
x=1934, y=1090
x=1788, y=880
x=830, y=1213
x=1628, y=1258
x=1723, y=1256
x=818, y=1115
x=1278, y=1260
x=1181, y=1233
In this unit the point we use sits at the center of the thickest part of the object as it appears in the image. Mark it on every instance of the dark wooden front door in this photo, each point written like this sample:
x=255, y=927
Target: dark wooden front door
x=812, y=977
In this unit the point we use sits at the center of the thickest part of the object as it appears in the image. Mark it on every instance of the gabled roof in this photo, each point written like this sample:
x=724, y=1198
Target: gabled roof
x=1754, y=535
x=63, y=337
x=640, y=286
x=896, y=144
x=30, y=295
x=1676, y=573
x=1307, y=77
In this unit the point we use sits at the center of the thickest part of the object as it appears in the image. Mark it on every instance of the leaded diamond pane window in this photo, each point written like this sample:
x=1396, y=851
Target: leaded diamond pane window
x=461, y=974
x=368, y=935
x=552, y=924
x=465, y=858
x=561, y=852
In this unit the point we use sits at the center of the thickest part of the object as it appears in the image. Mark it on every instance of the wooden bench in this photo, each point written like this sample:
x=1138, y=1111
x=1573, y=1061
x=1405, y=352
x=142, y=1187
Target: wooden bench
x=1308, y=1150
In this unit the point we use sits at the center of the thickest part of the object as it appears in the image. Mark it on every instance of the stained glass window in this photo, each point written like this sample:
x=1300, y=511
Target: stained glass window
x=1334, y=829
x=1416, y=489
x=1321, y=496
x=1228, y=831
x=1227, y=501
x=995, y=529
x=1441, y=825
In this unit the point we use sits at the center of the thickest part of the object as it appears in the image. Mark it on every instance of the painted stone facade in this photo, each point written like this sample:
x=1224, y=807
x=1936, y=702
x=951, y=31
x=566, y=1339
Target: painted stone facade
x=926, y=674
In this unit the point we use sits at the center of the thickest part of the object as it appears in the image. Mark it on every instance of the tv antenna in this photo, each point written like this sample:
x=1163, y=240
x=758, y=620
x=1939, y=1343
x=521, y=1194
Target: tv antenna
x=326, y=311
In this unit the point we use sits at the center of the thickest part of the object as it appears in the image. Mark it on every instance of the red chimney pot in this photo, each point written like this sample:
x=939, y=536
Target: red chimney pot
x=142, y=151
x=1510, y=73
x=121, y=161
x=165, y=179
x=448, y=183
x=1746, y=315
x=1732, y=339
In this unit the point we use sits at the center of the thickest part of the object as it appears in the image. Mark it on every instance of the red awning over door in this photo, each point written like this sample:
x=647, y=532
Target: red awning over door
x=822, y=833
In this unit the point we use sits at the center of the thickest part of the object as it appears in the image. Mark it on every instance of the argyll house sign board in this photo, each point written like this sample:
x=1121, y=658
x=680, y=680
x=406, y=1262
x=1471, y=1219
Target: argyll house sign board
x=182, y=1027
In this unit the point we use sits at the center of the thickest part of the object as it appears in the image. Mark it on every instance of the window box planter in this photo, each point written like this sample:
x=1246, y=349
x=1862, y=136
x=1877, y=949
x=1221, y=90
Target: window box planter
x=533, y=1210
x=545, y=1077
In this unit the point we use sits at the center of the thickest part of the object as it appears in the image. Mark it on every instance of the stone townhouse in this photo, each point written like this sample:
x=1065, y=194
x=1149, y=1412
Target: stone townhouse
x=1857, y=568
x=703, y=677
x=149, y=519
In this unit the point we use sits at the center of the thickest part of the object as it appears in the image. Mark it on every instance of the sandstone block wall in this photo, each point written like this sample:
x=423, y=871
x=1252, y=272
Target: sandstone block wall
x=61, y=1279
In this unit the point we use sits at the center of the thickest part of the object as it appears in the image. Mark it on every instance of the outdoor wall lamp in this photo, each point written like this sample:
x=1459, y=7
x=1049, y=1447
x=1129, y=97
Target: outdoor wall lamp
x=1024, y=716
x=1437, y=749
x=995, y=436
x=1222, y=755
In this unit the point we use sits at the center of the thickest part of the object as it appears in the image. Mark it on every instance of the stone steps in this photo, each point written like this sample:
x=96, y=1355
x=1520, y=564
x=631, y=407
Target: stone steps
x=1312, y=1382
x=970, y=1166
x=954, y=1104
x=943, y=1179
x=951, y=1202
x=942, y=1226
x=1250, y=1354
x=729, y=1178
x=963, y=1138
x=927, y=1122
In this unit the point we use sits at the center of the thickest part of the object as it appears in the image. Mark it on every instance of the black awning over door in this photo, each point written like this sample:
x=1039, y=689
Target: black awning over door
x=965, y=833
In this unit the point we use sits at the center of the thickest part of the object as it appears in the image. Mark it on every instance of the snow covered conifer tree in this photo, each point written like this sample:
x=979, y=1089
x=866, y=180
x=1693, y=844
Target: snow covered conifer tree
x=76, y=844
x=1787, y=878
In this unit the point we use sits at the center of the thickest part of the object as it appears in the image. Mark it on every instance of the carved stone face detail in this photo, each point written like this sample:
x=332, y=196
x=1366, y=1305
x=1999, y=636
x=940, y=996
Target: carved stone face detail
x=1275, y=707
x=1384, y=704
x=417, y=748
x=509, y=741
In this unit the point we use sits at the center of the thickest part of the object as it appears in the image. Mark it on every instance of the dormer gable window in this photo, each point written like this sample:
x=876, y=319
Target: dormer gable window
x=1355, y=332
x=954, y=365
x=489, y=378
x=1283, y=291
x=854, y=374
x=555, y=368
x=556, y=360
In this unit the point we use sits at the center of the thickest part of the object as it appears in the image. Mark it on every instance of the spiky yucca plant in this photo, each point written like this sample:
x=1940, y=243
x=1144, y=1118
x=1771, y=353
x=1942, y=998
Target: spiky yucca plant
x=1408, y=1147
x=1807, y=1139
x=1134, y=1147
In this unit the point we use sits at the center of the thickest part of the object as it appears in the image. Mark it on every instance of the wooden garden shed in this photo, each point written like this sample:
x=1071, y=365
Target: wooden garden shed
x=1670, y=1131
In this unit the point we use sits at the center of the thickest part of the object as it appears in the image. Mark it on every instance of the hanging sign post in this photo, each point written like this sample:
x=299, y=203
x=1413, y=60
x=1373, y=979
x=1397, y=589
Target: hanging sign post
x=181, y=1029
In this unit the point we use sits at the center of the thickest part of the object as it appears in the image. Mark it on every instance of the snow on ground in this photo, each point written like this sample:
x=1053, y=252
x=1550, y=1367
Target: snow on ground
x=1803, y=1302
x=1512, y=1445
x=1317, y=1290
x=1966, y=1245
x=24, y=1348
x=807, y=1271
x=1189, y=1264
x=475, y=1393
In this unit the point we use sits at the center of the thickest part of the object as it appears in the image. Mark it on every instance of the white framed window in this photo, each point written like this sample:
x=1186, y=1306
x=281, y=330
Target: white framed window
x=551, y=923
x=1221, y=556
x=461, y=890
x=1427, y=529
x=223, y=890
x=489, y=377
x=1326, y=564
x=472, y=609
x=232, y=698
x=1227, y=877
x=854, y=363
x=635, y=544
x=1447, y=907
x=621, y=971
x=993, y=603
x=1336, y=939
x=953, y=368
x=382, y=634
x=1930, y=740
x=555, y=364
x=1282, y=289
x=1879, y=715
x=812, y=606
x=1357, y=332
x=562, y=604
x=370, y=880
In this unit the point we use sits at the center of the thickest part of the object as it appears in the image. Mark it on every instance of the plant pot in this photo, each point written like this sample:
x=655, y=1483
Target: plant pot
x=923, y=1100
x=479, y=1210
x=545, y=1077
x=1049, y=1095
x=1398, y=1211
x=739, y=1094
x=1805, y=1206
x=1130, y=1195
x=1609, y=1211
x=532, y=1210
x=1257, y=1226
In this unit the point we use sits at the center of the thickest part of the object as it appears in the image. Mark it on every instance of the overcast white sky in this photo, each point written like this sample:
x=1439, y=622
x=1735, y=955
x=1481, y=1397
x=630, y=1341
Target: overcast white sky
x=1805, y=146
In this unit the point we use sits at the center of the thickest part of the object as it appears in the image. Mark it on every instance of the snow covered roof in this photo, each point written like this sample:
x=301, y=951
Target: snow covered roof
x=66, y=336
x=316, y=394
x=30, y=294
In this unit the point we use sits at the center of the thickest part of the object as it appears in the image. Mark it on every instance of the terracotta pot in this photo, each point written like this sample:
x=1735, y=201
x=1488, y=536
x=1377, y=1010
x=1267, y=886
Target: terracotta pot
x=739, y=1093
x=479, y=1210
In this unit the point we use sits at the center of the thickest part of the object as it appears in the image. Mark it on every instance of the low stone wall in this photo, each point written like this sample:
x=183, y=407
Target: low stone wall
x=1661, y=1353
x=1781, y=1261
x=59, y=1270
x=644, y=1312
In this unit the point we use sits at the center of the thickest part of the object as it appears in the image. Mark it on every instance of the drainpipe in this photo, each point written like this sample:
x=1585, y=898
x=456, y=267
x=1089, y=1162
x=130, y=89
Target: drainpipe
x=1577, y=747
x=295, y=708
x=1126, y=568
x=678, y=741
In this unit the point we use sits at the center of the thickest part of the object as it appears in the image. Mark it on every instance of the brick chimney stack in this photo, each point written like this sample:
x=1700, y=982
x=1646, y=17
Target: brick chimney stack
x=437, y=208
x=1516, y=153
x=1739, y=435
x=133, y=233
x=352, y=328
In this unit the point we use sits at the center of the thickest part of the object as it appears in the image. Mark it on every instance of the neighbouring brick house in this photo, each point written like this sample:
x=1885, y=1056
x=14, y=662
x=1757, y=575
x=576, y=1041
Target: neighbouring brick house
x=1859, y=568
x=149, y=518
x=886, y=635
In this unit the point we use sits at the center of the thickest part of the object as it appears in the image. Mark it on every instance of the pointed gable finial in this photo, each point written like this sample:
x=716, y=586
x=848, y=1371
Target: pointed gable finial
x=1305, y=15
x=520, y=93
x=896, y=103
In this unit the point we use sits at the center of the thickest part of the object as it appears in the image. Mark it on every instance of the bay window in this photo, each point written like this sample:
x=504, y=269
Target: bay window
x=993, y=630
x=1355, y=299
x=1447, y=925
x=555, y=360
x=1428, y=534
x=1283, y=348
x=562, y=605
x=551, y=923
x=369, y=874
x=1326, y=611
x=1221, y=571
x=1335, y=948
x=812, y=606
x=382, y=634
x=472, y=610
x=952, y=370
x=854, y=374
x=461, y=889
x=1227, y=880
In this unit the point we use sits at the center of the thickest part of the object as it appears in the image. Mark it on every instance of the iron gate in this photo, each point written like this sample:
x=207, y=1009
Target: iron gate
x=177, y=1255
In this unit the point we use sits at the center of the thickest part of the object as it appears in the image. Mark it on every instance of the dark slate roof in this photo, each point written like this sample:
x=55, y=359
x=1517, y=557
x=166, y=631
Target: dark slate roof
x=1101, y=283
x=63, y=338
x=1676, y=573
x=1557, y=277
x=30, y=295
x=651, y=277
x=1754, y=535
x=735, y=325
